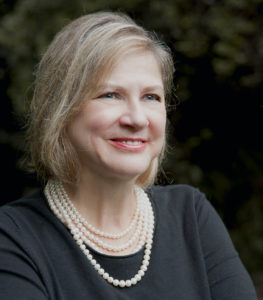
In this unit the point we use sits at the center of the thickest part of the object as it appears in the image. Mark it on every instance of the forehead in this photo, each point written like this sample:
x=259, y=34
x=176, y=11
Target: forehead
x=137, y=65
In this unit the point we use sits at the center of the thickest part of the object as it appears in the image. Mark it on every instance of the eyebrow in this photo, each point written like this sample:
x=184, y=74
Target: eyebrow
x=118, y=87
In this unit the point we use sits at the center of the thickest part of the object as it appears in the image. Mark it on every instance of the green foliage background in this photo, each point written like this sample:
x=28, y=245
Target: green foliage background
x=216, y=128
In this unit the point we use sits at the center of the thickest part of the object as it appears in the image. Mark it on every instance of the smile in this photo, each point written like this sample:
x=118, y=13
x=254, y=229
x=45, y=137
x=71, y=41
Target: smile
x=131, y=142
x=128, y=144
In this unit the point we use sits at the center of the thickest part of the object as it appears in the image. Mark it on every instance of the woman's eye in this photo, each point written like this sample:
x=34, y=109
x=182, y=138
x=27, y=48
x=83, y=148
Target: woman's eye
x=152, y=97
x=109, y=96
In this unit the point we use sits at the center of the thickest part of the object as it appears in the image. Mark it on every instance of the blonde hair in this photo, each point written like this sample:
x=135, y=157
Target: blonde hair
x=79, y=57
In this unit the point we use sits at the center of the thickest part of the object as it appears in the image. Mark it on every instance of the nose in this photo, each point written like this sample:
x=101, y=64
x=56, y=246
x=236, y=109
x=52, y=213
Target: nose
x=134, y=116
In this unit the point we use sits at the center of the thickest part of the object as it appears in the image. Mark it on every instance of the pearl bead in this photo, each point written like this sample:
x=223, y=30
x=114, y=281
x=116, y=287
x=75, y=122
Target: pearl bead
x=147, y=251
x=116, y=282
x=122, y=283
x=76, y=236
x=128, y=283
x=110, y=280
x=73, y=230
x=101, y=271
x=145, y=263
x=138, y=277
x=144, y=268
x=146, y=256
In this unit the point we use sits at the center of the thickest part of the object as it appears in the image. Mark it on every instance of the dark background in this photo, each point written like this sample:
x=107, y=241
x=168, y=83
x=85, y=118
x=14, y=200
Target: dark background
x=215, y=140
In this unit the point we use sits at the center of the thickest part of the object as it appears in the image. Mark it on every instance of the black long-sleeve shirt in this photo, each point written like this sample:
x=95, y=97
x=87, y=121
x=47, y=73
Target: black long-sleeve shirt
x=192, y=256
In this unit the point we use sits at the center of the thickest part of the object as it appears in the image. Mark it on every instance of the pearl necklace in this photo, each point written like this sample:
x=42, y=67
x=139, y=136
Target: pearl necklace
x=57, y=198
x=90, y=238
x=91, y=227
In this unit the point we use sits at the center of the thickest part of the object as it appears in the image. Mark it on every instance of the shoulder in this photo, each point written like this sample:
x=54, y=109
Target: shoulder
x=188, y=208
x=180, y=191
x=187, y=205
x=16, y=213
x=26, y=225
x=179, y=197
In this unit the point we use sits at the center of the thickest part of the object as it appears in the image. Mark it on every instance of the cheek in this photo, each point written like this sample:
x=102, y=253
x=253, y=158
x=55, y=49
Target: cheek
x=158, y=121
x=99, y=117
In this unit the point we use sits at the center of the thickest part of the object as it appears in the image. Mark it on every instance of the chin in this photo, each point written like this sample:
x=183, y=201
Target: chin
x=130, y=172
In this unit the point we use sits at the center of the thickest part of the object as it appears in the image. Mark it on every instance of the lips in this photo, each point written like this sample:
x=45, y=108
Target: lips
x=129, y=144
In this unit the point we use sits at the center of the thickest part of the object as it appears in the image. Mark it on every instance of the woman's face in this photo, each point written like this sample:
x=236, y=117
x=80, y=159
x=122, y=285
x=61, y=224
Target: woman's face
x=121, y=128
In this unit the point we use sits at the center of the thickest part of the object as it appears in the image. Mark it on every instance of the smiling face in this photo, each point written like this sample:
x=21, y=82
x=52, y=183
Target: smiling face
x=121, y=128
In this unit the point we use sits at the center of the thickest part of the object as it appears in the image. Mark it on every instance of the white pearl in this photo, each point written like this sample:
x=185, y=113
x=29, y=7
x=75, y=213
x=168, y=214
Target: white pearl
x=116, y=282
x=133, y=281
x=73, y=230
x=101, y=271
x=145, y=263
x=147, y=251
x=122, y=283
x=76, y=236
x=138, y=277
x=128, y=283
x=110, y=280
x=144, y=268
x=146, y=257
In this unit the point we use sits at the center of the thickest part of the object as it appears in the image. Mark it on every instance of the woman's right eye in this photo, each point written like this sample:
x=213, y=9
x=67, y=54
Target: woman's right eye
x=110, y=96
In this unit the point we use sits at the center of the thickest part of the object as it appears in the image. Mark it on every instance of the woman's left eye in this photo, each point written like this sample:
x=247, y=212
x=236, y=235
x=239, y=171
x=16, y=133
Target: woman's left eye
x=152, y=97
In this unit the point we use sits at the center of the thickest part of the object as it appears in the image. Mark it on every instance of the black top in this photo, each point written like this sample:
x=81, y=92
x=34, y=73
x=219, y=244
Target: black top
x=192, y=256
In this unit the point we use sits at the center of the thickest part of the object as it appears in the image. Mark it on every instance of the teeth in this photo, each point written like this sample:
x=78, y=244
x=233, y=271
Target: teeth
x=132, y=142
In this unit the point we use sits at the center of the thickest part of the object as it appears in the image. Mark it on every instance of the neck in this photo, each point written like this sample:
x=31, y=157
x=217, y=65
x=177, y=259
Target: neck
x=107, y=204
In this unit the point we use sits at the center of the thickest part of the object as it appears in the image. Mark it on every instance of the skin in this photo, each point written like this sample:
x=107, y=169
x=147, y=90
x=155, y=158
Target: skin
x=129, y=105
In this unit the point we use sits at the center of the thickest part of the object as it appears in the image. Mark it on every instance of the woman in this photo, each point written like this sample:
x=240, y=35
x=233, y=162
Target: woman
x=97, y=136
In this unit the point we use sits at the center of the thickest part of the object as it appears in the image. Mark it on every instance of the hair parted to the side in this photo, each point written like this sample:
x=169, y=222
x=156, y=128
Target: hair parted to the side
x=81, y=55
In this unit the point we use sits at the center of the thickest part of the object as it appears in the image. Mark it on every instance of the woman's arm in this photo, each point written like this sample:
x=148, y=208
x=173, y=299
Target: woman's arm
x=228, y=279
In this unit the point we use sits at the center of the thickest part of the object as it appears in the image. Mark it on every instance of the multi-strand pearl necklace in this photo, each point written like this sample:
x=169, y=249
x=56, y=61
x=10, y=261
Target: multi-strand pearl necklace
x=86, y=234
